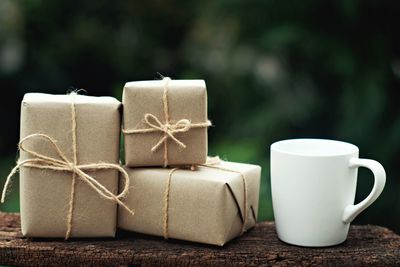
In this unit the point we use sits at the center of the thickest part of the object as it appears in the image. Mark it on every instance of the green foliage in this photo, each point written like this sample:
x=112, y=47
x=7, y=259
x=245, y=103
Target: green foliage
x=274, y=70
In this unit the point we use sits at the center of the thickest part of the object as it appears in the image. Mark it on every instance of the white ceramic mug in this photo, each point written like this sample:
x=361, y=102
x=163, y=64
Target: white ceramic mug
x=313, y=183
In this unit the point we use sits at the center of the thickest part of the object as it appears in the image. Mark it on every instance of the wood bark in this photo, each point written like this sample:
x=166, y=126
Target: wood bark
x=366, y=246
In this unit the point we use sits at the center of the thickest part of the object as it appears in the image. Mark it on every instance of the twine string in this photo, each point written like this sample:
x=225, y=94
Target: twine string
x=212, y=162
x=244, y=224
x=75, y=162
x=47, y=163
x=166, y=202
x=168, y=128
x=62, y=163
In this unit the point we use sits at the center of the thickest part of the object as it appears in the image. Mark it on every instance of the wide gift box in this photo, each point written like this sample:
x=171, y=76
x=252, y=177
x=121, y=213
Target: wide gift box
x=69, y=172
x=212, y=204
x=165, y=122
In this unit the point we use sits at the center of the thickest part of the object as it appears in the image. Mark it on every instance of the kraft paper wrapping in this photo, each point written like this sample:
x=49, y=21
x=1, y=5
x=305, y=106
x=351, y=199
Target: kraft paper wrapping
x=204, y=205
x=187, y=99
x=45, y=194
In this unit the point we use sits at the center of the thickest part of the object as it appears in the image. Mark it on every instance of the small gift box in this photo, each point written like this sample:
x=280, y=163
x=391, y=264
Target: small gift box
x=212, y=204
x=165, y=122
x=69, y=154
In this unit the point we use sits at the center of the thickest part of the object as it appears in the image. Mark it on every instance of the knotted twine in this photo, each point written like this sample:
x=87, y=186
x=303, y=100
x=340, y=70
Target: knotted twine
x=212, y=162
x=40, y=161
x=168, y=128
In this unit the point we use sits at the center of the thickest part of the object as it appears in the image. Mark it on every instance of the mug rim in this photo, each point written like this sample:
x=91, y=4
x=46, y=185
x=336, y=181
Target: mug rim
x=321, y=147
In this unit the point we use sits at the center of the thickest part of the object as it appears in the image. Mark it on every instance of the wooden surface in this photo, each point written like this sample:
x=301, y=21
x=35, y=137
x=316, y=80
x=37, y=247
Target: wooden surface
x=366, y=246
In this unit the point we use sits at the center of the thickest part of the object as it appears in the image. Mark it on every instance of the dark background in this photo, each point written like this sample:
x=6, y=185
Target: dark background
x=274, y=70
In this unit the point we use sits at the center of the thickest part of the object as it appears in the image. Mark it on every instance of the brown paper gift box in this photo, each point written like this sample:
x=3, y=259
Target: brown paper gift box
x=187, y=99
x=45, y=194
x=205, y=205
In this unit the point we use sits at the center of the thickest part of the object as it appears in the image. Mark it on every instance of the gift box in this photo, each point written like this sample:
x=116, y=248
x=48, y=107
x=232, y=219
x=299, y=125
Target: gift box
x=165, y=122
x=212, y=204
x=69, y=154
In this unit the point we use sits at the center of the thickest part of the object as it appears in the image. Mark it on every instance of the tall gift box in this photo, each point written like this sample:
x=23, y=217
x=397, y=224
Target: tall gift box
x=165, y=122
x=212, y=204
x=69, y=154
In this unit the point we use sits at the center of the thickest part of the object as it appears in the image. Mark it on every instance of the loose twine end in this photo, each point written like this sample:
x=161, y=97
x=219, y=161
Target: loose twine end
x=7, y=183
x=73, y=91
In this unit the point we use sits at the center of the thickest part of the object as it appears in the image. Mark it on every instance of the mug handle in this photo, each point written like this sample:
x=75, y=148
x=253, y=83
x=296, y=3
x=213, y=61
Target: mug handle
x=352, y=211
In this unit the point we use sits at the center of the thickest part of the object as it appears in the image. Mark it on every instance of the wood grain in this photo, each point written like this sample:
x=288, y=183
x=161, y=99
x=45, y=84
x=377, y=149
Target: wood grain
x=366, y=246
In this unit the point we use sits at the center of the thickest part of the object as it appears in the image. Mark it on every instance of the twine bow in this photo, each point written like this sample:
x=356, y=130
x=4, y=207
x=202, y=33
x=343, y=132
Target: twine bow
x=62, y=163
x=212, y=162
x=168, y=128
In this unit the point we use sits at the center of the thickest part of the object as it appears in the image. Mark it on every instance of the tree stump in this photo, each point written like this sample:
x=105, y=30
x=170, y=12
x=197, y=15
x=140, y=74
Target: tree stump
x=366, y=246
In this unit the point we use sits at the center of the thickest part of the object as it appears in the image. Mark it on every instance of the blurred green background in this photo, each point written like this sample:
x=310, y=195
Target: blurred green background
x=274, y=70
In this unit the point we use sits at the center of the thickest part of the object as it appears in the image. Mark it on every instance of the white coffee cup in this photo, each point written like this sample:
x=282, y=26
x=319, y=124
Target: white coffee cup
x=313, y=183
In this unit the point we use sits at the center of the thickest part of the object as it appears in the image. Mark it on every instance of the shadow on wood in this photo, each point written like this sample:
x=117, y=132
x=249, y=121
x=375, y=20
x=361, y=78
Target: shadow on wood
x=366, y=246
